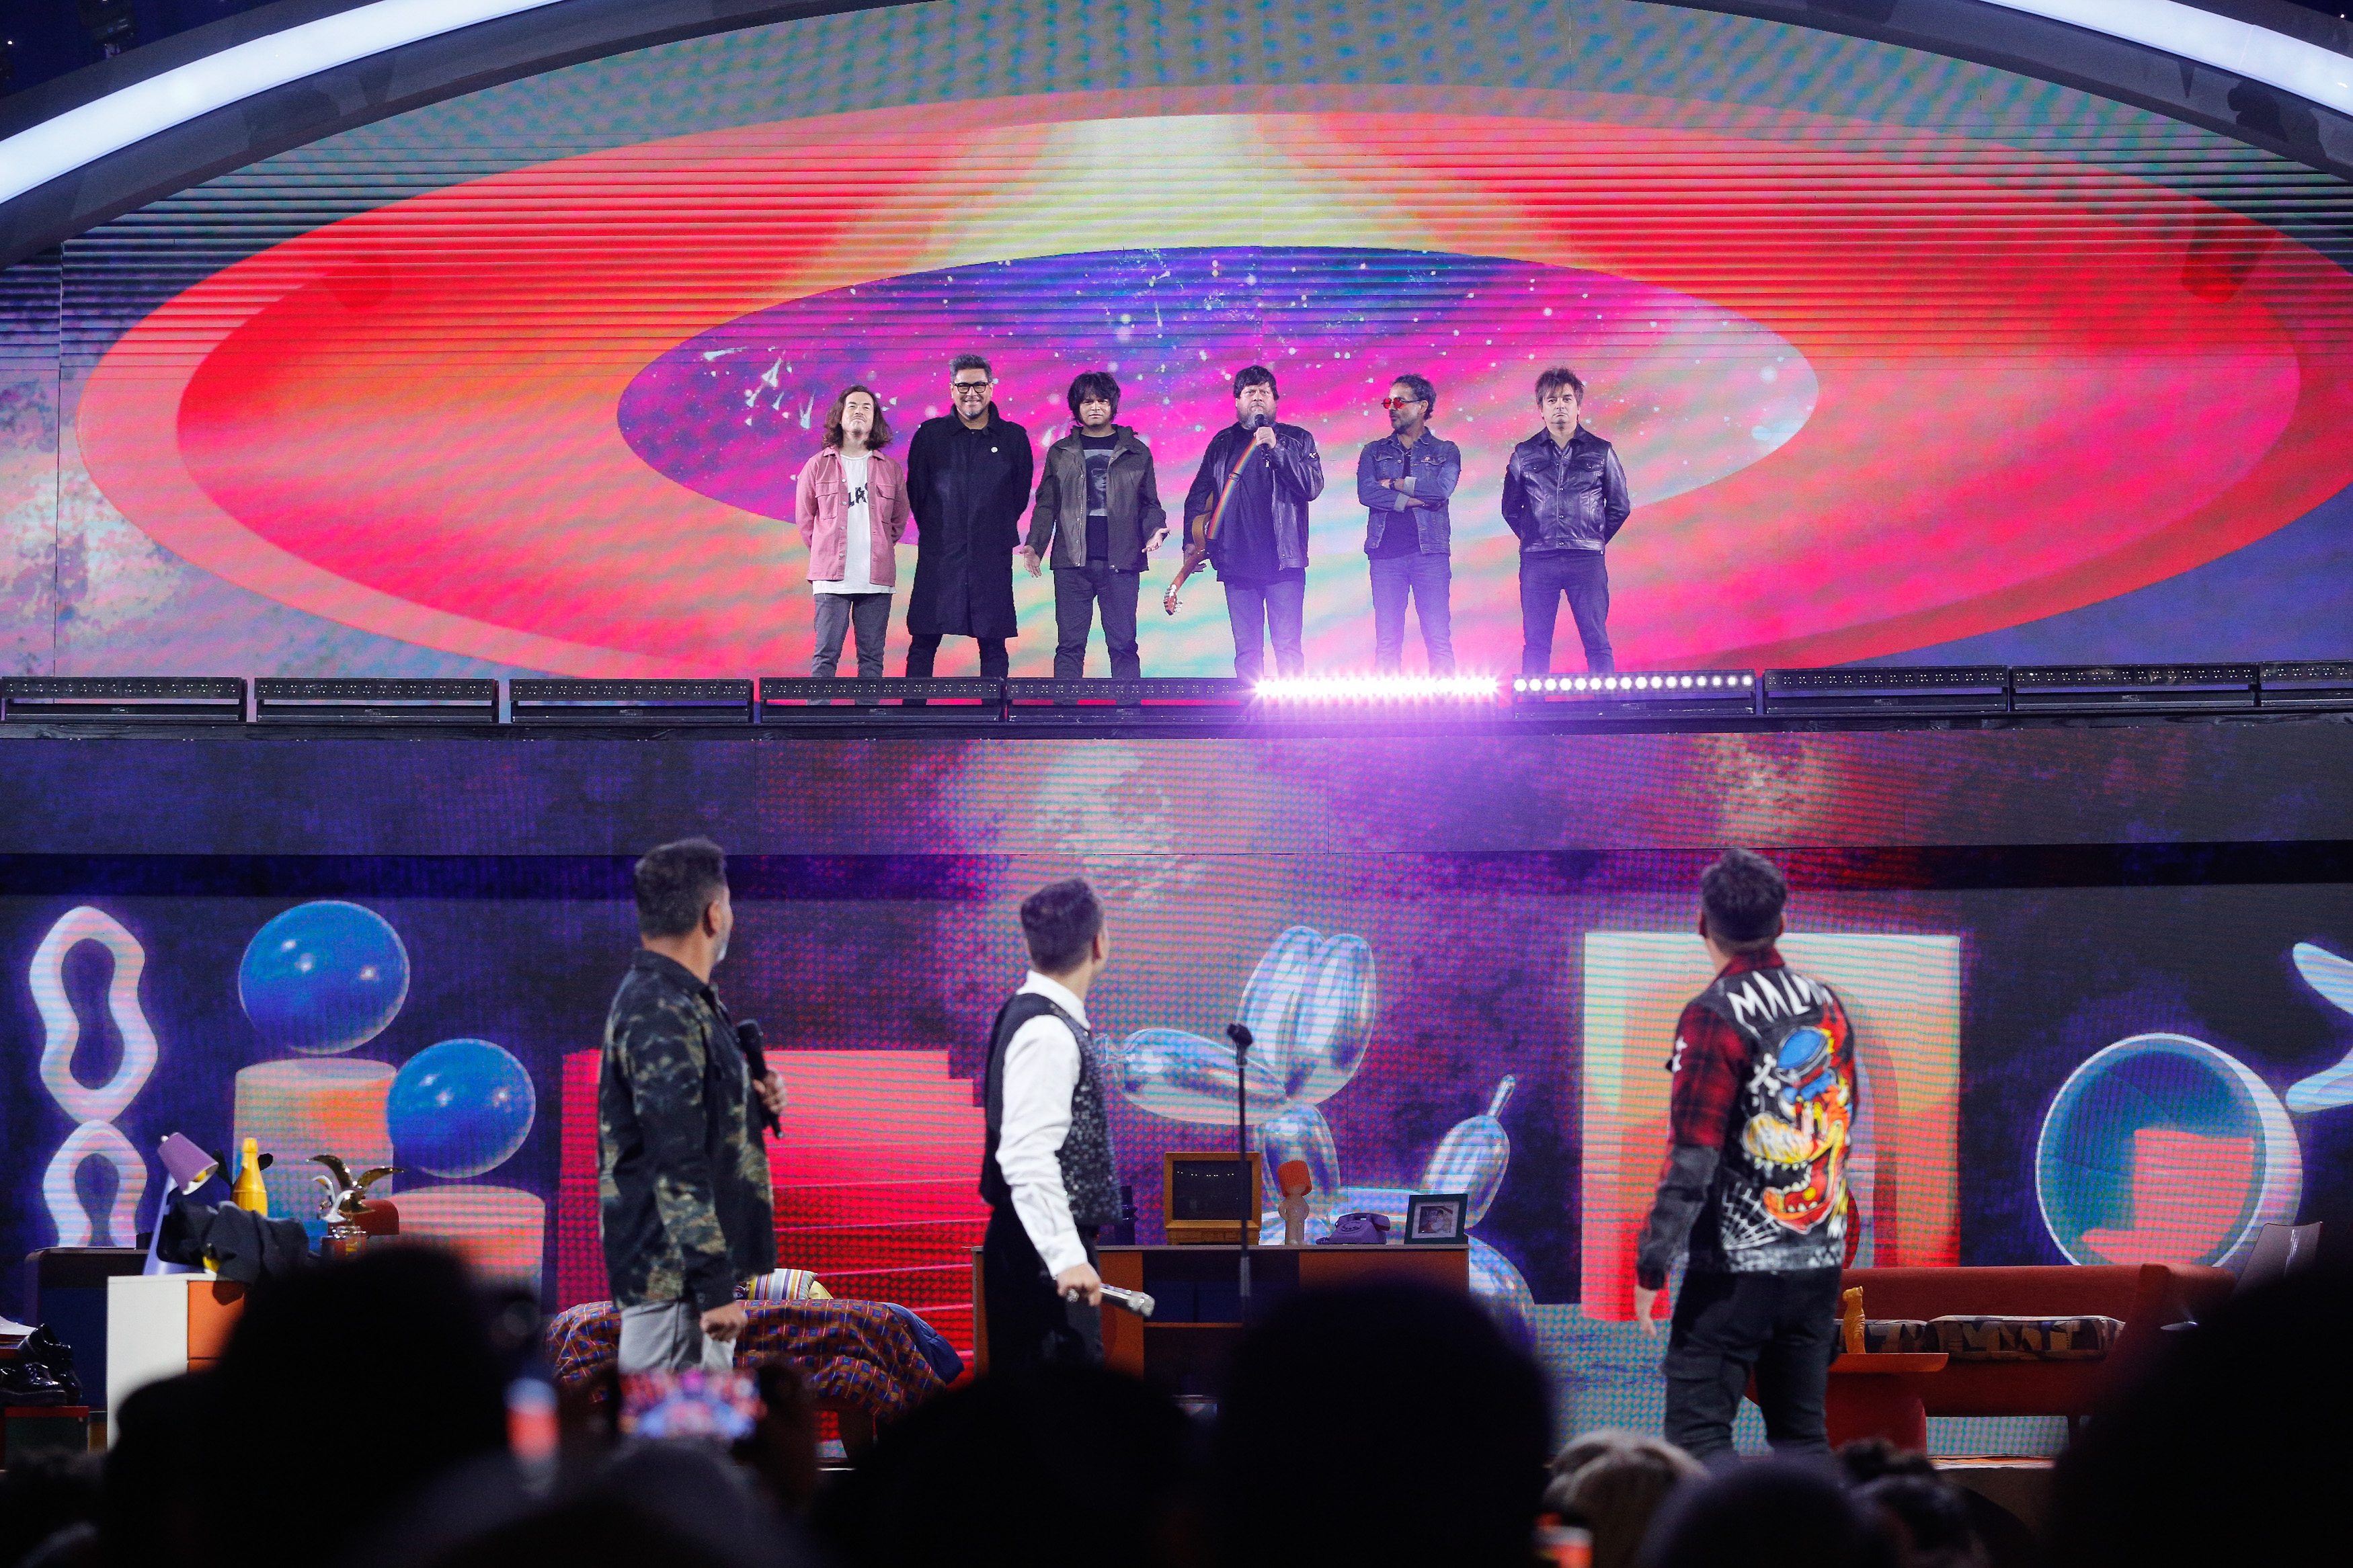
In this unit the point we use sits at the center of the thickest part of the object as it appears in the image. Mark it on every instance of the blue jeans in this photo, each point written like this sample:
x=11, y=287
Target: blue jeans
x=1584, y=577
x=1425, y=577
x=1276, y=609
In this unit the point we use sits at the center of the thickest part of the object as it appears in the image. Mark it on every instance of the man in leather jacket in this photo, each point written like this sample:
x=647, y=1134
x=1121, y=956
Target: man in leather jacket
x=1565, y=498
x=1253, y=492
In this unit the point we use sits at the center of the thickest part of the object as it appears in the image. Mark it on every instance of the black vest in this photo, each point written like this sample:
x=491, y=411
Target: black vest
x=1779, y=1198
x=1088, y=1176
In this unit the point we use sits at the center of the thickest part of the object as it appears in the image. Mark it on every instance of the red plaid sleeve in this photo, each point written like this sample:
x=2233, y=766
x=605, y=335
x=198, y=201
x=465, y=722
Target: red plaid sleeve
x=1709, y=1059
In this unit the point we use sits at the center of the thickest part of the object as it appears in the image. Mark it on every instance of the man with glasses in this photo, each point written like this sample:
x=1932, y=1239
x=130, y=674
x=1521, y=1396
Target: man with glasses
x=1248, y=509
x=1565, y=498
x=968, y=480
x=1404, y=479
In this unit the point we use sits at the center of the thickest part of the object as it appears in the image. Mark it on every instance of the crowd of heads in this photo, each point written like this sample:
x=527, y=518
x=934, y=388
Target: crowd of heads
x=358, y=1419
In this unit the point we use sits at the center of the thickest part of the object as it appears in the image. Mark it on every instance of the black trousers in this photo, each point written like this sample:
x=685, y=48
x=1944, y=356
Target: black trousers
x=1583, y=576
x=1784, y=1327
x=1030, y=1324
x=1077, y=591
x=922, y=649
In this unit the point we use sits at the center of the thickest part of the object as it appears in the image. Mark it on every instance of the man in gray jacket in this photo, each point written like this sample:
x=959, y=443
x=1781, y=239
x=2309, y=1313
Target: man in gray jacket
x=1098, y=514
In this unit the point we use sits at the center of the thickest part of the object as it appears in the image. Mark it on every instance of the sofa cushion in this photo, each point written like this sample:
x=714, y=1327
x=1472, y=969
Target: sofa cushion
x=1972, y=1337
x=1894, y=1336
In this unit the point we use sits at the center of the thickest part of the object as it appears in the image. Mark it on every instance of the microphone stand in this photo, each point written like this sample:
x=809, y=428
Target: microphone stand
x=1243, y=1041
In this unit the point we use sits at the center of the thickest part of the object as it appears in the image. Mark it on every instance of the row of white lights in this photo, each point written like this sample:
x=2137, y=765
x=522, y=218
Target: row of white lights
x=1630, y=682
x=1375, y=687
x=83, y=134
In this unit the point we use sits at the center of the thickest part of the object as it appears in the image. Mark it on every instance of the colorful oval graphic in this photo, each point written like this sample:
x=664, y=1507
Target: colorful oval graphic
x=413, y=420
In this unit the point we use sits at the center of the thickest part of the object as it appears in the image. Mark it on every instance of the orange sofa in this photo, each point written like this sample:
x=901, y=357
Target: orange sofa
x=2145, y=1297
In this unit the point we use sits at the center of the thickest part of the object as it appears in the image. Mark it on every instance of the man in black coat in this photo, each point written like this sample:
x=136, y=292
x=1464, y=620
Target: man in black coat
x=968, y=483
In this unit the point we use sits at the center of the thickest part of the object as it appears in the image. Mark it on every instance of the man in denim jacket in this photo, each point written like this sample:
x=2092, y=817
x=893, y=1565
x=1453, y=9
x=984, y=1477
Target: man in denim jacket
x=1404, y=480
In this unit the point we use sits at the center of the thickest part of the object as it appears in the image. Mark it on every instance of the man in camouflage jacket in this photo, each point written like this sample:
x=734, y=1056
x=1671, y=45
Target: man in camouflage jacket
x=682, y=1176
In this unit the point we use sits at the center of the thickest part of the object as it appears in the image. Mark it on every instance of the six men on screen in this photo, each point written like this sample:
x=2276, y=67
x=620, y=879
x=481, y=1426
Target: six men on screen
x=1097, y=516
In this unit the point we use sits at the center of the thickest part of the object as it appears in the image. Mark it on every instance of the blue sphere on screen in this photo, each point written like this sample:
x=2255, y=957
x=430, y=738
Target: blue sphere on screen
x=2161, y=1149
x=323, y=977
x=460, y=1108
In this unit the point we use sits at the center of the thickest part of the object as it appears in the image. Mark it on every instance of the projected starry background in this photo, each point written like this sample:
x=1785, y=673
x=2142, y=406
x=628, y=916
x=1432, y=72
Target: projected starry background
x=1908, y=359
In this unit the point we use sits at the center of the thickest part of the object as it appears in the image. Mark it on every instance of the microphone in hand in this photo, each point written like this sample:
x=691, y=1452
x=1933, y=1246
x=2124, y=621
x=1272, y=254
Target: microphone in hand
x=749, y=1039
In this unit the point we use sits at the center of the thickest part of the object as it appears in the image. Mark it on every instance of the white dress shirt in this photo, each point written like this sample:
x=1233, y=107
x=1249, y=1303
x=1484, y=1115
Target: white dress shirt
x=1041, y=1073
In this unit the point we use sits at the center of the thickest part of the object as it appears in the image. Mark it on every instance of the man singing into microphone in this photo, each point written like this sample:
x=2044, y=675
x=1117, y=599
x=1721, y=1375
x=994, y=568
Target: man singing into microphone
x=1249, y=500
x=1046, y=1163
x=682, y=1178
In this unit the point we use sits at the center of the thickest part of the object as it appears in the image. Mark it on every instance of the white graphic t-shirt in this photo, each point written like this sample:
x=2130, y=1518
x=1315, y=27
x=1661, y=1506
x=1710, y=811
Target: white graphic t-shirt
x=858, y=526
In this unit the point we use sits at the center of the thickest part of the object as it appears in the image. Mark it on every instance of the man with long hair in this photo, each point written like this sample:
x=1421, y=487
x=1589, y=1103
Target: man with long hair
x=1098, y=514
x=851, y=504
x=1247, y=512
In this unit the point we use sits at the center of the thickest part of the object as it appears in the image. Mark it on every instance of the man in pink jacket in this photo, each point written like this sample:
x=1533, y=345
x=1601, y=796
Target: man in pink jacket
x=851, y=505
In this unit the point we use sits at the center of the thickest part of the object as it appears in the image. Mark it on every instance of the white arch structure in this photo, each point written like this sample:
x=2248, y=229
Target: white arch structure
x=88, y=132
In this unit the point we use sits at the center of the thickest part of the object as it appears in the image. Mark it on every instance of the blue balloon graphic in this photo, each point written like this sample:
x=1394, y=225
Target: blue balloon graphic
x=460, y=1108
x=323, y=977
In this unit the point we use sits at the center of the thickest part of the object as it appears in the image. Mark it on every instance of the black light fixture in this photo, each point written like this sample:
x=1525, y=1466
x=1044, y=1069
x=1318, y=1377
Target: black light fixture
x=1919, y=690
x=672, y=703
x=122, y=699
x=2322, y=683
x=2123, y=688
x=806, y=702
x=1160, y=701
x=283, y=700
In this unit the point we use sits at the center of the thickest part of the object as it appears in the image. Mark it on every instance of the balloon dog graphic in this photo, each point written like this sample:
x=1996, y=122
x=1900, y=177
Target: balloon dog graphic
x=1309, y=1006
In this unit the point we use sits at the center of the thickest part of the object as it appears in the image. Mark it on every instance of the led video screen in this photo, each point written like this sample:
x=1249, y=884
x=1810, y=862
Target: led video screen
x=2094, y=1026
x=1906, y=359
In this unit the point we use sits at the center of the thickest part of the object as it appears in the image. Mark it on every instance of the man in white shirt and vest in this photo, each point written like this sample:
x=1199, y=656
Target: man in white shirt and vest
x=1045, y=1167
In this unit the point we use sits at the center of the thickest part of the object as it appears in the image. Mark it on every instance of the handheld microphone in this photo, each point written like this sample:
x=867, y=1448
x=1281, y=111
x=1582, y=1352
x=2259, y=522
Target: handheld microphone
x=748, y=1039
x=1254, y=421
x=1135, y=1301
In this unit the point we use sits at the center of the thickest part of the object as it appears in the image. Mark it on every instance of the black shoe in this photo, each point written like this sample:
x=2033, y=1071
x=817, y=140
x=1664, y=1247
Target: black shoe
x=29, y=1383
x=43, y=1348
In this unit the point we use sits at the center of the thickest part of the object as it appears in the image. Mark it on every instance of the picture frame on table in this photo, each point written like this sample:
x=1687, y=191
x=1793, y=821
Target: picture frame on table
x=1437, y=1219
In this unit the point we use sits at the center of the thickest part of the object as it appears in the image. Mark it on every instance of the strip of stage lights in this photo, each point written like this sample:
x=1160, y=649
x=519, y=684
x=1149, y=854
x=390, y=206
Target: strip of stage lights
x=1331, y=689
x=91, y=131
x=1644, y=694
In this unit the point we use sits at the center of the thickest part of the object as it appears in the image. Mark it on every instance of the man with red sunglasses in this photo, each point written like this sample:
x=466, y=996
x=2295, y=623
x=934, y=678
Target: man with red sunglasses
x=1404, y=480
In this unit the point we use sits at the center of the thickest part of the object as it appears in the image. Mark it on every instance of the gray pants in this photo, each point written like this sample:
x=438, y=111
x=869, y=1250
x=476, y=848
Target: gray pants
x=667, y=1336
x=837, y=613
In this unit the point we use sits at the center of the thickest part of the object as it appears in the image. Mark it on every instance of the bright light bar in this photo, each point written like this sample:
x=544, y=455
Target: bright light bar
x=88, y=132
x=1379, y=688
x=84, y=134
x=1632, y=687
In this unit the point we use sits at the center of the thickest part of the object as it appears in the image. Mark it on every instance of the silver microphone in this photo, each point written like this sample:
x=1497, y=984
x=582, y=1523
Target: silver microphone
x=1135, y=1301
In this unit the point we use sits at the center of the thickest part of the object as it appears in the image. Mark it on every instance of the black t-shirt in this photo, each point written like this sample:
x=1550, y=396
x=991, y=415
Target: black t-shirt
x=1401, y=535
x=1098, y=450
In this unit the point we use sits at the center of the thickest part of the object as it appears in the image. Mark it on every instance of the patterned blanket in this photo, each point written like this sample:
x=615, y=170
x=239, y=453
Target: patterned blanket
x=854, y=1353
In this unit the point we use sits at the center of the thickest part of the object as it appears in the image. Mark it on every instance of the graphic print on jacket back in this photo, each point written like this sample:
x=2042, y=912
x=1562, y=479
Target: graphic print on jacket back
x=1778, y=1199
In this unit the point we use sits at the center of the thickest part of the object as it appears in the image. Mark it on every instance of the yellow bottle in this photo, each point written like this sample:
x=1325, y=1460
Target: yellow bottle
x=248, y=1193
